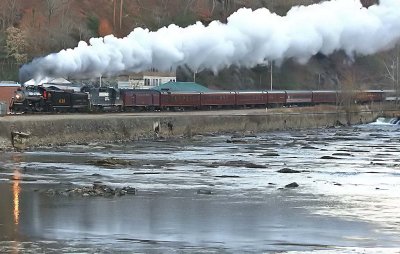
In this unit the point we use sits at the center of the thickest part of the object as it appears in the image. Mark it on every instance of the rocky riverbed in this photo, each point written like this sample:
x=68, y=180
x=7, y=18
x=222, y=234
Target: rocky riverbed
x=320, y=190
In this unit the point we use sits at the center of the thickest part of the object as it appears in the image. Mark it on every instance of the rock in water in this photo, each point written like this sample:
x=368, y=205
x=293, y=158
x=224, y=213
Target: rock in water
x=288, y=171
x=292, y=185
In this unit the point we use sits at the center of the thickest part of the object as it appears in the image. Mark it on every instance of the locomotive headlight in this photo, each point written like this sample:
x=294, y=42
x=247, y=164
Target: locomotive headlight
x=19, y=97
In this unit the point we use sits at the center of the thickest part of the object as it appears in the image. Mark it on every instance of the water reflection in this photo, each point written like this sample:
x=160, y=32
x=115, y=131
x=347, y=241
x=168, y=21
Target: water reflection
x=16, y=177
x=16, y=191
x=16, y=188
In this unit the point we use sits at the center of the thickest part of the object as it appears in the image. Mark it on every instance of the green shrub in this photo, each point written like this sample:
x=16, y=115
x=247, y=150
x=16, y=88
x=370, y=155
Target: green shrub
x=93, y=24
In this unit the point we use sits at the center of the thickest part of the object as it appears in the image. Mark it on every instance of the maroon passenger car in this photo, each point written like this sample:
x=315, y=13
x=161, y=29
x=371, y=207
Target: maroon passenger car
x=218, y=99
x=251, y=98
x=369, y=96
x=180, y=100
x=276, y=98
x=298, y=97
x=321, y=97
x=141, y=99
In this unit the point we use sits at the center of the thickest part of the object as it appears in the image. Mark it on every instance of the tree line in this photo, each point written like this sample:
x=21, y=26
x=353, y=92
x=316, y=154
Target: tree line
x=32, y=28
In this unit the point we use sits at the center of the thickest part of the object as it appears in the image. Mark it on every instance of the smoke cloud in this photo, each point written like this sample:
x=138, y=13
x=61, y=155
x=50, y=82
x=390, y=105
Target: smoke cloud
x=247, y=39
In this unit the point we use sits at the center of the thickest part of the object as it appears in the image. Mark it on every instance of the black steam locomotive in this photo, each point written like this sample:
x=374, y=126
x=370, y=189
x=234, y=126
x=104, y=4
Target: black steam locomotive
x=48, y=99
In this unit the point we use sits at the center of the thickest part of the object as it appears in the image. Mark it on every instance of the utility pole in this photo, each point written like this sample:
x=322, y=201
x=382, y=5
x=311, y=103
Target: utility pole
x=120, y=14
x=319, y=81
x=115, y=9
x=397, y=73
x=272, y=64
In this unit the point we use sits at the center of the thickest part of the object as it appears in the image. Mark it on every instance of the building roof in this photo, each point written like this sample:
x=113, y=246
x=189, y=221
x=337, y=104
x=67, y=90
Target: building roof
x=9, y=83
x=182, y=87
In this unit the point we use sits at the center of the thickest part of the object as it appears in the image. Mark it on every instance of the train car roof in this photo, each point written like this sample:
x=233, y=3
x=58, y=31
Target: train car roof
x=324, y=91
x=140, y=90
x=373, y=91
x=276, y=91
x=179, y=92
x=298, y=91
x=249, y=91
x=219, y=92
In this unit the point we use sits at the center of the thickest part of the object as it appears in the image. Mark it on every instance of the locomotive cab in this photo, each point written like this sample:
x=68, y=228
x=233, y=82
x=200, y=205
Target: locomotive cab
x=104, y=98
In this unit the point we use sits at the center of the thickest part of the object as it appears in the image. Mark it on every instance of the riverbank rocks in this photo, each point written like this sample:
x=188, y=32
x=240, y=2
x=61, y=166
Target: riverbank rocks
x=98, y=189
x=338, y=124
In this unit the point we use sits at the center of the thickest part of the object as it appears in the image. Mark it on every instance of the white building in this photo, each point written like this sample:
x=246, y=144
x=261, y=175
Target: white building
x=146, y=79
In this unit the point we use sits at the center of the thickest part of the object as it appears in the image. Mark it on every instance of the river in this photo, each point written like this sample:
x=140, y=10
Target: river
x=210, y=194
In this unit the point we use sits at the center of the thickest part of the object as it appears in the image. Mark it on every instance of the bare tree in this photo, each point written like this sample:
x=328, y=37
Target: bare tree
x=165, y=10
x=121, y=5
x=224, y=7
x=348, y=93
x=213, y=4
x=392, y=71
x=65, y=11
x=52, y=6
x=9, y=13
x=189, y=4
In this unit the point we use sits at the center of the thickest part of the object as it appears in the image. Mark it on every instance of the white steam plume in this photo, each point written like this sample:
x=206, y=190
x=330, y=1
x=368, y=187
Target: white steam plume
x=249, y=38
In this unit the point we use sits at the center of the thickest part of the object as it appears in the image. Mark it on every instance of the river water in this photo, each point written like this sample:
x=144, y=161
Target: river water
x=210, y=194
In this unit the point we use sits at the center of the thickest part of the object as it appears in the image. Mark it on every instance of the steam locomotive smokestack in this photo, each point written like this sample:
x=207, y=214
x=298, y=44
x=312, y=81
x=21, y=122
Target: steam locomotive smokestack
x=249, y=38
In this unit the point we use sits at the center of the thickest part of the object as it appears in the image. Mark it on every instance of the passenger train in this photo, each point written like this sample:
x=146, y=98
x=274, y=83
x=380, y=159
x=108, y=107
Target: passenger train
x=52, y=99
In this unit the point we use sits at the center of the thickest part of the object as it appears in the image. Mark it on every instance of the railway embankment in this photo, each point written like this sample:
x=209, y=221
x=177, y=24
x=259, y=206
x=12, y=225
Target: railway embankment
x=23, y=131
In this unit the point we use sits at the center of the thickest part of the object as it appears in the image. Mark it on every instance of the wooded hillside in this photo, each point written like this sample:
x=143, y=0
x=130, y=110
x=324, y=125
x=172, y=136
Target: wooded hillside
x=31, y=28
